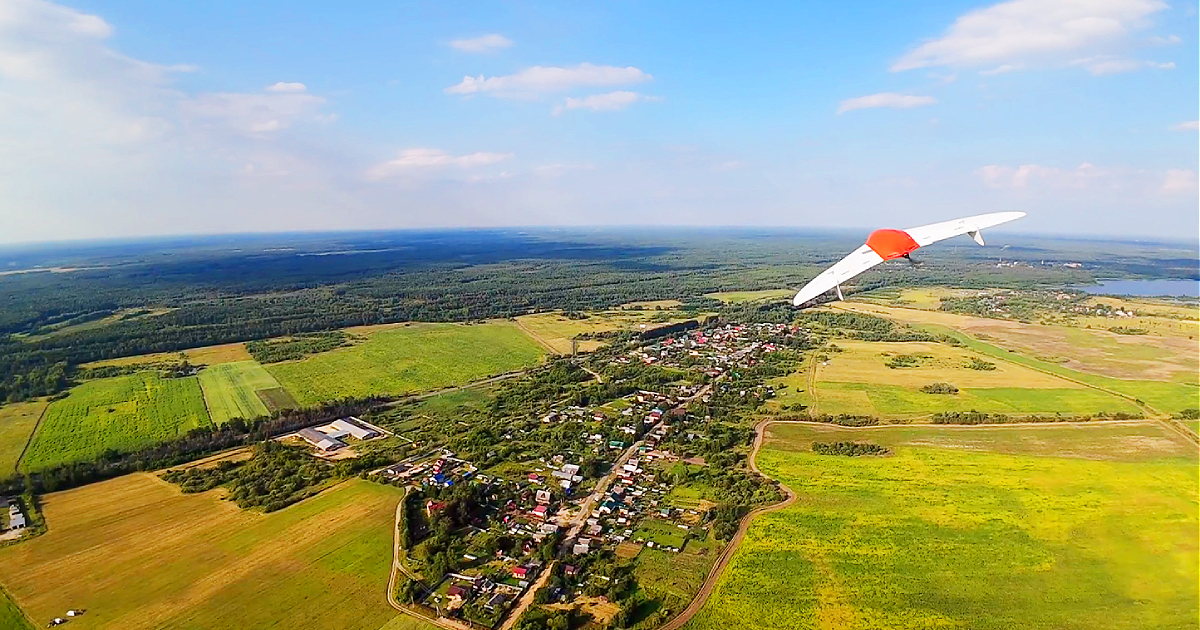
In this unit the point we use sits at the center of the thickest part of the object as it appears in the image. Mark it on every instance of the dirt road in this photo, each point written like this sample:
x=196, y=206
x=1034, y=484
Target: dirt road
x=727, y=553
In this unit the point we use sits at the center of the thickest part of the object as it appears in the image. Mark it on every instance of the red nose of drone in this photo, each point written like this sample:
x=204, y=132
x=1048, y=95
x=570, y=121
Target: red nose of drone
x=891, y=244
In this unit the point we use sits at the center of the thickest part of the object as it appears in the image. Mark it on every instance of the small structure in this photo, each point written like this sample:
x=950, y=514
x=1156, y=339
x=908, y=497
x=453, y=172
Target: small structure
x=541, y=512
x=321, y=441
x=520, y=573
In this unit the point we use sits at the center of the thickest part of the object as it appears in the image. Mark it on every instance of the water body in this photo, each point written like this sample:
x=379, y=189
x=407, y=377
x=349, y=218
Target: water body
x=1144, y=288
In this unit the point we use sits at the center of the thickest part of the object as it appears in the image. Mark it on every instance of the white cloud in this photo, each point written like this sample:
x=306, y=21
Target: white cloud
x=416, y=160
x=1101, y=65
x=284, y=86
x=885, y=99
x=610, y=102
x=1179, y=180
x=1189, y=125
x=1169, y=40
x=253, y=114
x=996, y=176
x=1001, y=69
x=1032, y=30
x=484, y=44
x=548, y=79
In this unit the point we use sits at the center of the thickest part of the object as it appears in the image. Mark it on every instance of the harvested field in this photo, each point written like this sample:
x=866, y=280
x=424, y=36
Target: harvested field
x=276, y=399
x=402, y=359
x=207, y=564
x=120, y=413
x=555, y=330
x=1100, y=352
x=1052, y=532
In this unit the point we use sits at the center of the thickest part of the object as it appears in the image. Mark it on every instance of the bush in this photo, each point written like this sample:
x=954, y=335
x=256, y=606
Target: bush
x=940, y=388
x=979, y=364
x=849, y=449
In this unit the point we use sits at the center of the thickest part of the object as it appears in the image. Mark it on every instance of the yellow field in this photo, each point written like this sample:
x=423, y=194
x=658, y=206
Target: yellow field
x=555, y=330
x=1144, y=357
x=734, y=297
x=137, y=554
x=17, y=421
x=207, y=355
x=865, y=362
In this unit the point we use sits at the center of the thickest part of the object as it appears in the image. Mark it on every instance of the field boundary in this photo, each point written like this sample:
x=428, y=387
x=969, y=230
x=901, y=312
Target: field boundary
x=537, y=338
x=718, y=567
x=25, y=449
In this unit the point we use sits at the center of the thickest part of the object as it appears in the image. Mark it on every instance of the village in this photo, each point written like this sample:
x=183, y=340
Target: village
x=482, y=538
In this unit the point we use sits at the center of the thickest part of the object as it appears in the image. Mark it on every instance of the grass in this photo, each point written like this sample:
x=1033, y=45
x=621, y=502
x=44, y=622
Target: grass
x=735, y=297
x=206, y=355
x=230, y=390
x=865, y=362
x=137, y=554
x=11, y=617
x=120, y=413
x=17, y=421
x=950, y=537
x=661, y=533
x=397, y=360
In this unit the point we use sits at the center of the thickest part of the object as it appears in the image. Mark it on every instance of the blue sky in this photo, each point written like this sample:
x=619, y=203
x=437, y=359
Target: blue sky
x=129, y=118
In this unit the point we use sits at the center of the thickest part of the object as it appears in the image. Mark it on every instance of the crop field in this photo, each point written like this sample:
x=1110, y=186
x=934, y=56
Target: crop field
x=231, y=390
x=1094, y=351
x=661, y=533
x=207, y=355
x=404, y=359
x=17, y=421
x=137, y=554
x=119, y=413
x=866, y=362
x=1089, y=526
x=895, y=401
x=735, y=297
x=555, y=330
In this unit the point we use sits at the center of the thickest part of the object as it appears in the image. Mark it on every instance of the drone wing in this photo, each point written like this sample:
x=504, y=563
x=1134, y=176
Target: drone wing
x=884, y=245
x=857, y=262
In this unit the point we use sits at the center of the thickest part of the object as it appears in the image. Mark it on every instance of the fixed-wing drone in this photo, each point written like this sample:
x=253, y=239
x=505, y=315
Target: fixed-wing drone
x=883, y=245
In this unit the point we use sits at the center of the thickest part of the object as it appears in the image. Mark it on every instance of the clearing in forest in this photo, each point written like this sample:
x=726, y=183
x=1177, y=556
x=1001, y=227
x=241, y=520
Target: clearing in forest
x=138, y=554
x=1089, y=526
x=121, y=413
x=402, y=359
x=885, y=378
x=231, y=390
x=17, y=421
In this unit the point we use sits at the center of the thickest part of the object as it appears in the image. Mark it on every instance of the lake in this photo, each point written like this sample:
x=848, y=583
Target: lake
x=1146, y=288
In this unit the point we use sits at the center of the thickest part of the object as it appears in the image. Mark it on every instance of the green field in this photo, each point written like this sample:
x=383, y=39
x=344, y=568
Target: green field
x=404, y=359
x=137, y=554
x=1067, y=526
x=11, y=617
x=17, y=421
x=120, y=413
x=661, y=533
x=892, y=400
x=230, y=390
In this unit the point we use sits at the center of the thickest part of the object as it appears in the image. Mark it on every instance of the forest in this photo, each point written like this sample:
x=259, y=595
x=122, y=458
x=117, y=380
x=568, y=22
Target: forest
x=125, y=299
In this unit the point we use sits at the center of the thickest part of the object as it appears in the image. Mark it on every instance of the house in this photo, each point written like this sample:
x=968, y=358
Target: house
x=543, y=496
x=432, y=506
x=541, y=512
x=570, y=570
x=520, y=573
x=497, y=601
x=549, y=528
x=580, y=548
x=457, y=592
